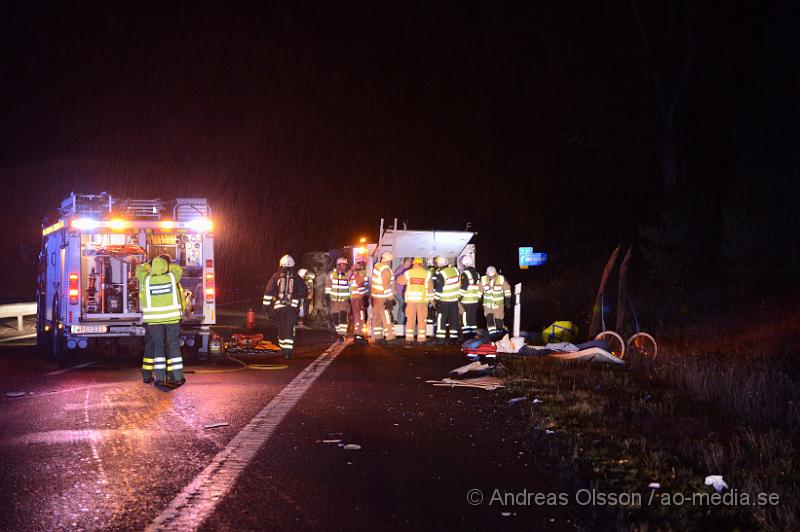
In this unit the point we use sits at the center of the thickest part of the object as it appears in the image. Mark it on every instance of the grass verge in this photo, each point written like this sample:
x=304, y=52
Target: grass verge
x=617, y=429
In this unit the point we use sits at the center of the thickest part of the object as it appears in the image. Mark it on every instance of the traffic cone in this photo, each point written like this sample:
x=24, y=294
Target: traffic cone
x=251, y=319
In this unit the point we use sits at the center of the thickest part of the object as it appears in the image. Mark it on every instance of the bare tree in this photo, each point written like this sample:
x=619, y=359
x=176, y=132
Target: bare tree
x=669, y=87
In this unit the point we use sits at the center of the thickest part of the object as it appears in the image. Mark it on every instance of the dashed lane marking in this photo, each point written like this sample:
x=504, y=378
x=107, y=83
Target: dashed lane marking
x=199, y=499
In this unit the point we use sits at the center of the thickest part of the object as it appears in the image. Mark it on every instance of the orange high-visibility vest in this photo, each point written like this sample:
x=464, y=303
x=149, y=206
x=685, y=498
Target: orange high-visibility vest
x=376, y=288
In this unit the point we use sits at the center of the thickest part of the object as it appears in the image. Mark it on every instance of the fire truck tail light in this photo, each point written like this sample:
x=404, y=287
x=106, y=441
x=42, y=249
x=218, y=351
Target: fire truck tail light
x=209, y=288
x=73, y=289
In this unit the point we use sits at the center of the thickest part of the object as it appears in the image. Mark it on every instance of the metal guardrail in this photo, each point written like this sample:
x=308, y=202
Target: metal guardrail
x=17, y=310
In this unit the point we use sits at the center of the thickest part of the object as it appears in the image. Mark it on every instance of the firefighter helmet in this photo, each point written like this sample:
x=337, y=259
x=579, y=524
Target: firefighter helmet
x=491, y=271
x=418, y=260
x=341, y=260
x=302, y=272
x=387, y=256
x=441, y=262
x=468, y=261
x=287, y=261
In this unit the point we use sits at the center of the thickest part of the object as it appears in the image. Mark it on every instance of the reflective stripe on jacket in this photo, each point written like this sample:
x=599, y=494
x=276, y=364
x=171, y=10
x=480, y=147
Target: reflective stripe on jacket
x=161, y=301
x=285, y=289
x=418, y=285
x=337, y=286
x=381, y=286
x=470, y=287
x=495, y=290
x=449, y=285
x=358, y=286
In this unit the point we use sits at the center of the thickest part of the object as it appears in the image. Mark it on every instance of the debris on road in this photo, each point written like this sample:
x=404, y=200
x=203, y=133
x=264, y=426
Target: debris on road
x=15, y=394
x=473, y=366
x=487, y=383
x=352, y=447
x=536, y=401
x=654, y=486
x=216, y=425
x=717, y=482
x=548, y=431
x=516, y=400
x=329, y=441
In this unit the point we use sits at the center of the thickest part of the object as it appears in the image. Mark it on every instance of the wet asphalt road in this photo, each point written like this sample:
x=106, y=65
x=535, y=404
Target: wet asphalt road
x=94, y=448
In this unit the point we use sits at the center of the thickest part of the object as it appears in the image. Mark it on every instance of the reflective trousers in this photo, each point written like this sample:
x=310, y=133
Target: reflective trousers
x=158, y=361
x=447, y=320
x=339, y=311
x=359, y=317
x=416, y=314
x=382, y=319
x=286, y=318
x=494, y=319
x=469, y=319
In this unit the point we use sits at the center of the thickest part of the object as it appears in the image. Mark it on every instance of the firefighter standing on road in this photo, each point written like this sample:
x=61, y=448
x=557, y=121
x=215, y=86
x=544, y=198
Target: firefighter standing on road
x=337, y=288
x=358, y=299
x=307, y=306
x=382, y=298
x=285, y=291
x=446, y=284
x=496, y=296
x=418, y=283
x=431, y=320
x=470, y=297
x=162, y=307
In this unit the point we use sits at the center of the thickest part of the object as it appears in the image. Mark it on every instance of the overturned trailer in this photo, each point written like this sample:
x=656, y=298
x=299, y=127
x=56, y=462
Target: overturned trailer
x=408, y=243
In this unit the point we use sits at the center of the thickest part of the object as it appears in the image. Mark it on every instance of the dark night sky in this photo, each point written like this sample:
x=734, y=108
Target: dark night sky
x=305, y=125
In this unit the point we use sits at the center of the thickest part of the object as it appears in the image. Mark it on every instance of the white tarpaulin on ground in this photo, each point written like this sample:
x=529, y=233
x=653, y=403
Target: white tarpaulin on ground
x=404, y=243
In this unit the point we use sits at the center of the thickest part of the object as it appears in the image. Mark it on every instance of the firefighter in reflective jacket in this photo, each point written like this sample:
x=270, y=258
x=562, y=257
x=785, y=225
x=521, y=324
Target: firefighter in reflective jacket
x=285, y=291
x=161, y=300
x=358, y=299
x=470, y=297
x=496, y=296
x=418, y=293
x=337, y=289
x=382, y=298
x=446, y=285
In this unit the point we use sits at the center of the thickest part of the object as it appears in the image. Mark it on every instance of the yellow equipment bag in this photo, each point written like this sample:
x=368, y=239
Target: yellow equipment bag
x=560, y=331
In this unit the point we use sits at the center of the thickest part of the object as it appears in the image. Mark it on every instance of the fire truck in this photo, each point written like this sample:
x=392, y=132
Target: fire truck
x=87, y=291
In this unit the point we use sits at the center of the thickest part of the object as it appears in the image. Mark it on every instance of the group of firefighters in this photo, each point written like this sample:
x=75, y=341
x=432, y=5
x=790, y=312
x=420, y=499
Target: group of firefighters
x=439, y=295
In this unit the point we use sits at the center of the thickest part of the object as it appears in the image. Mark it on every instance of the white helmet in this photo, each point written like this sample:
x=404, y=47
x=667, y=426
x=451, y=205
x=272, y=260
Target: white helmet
x=302, y=272
x=441, y=262
x=491, y=271
x=287, y=262
x=387, y=256
x=341, y=260
x=468, y=261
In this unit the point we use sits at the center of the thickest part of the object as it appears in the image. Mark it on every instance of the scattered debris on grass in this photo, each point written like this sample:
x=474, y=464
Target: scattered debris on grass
x=717, y=482
x=15, y=394
x=216, y=424
x=352, y=447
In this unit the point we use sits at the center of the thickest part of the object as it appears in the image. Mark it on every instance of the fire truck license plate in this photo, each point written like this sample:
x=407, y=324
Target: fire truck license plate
x=88, y=329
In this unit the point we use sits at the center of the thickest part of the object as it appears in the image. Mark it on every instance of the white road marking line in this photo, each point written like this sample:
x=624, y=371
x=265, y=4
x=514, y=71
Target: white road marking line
x=18, y=337
x=110, y=404
x=93, y=444
x=57, y=437
x=60, y=371
x=199, y=499
x=49, y=393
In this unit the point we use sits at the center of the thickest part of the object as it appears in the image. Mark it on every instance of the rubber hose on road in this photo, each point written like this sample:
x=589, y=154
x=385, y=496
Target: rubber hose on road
x=244, y=367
